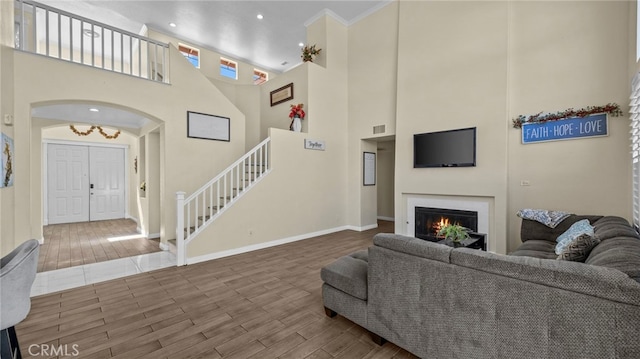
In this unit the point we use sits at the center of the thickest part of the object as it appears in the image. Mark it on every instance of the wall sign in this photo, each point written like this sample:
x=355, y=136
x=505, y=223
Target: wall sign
x=314, y=145
x=567, y=129
x=369, y=169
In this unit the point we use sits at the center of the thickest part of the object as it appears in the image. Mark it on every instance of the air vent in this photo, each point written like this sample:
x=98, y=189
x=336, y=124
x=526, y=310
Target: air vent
x=379, y=129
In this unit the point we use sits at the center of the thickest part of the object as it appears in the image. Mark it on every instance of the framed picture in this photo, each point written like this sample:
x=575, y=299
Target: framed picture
x=369, y=169
x=208, y=127
x=283, y=94
x=6, y=146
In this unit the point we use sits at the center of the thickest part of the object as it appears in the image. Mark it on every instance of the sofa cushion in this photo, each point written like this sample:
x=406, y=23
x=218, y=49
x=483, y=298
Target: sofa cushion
x=577, y=229
x=578, y=249
x=577, y=277
x=347, y=274
x=535, y=230
x=621, y=253
x=413, y=246
x=536, y=248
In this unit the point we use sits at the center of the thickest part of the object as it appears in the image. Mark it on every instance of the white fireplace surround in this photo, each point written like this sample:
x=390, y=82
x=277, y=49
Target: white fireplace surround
x=449, y=203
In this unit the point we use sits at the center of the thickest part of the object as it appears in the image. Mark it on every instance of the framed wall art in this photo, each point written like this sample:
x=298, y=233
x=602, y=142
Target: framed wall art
x=283, y=94
x=208, y=127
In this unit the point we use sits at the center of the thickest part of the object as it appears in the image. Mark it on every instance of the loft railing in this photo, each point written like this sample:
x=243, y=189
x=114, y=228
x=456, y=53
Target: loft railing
x=201, y=208
x=44, y=30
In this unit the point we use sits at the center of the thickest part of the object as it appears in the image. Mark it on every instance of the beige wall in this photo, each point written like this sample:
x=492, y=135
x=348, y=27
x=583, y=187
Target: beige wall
x=452, y=61
x=372, y=74
x=464, y=64
x=588, y=66
x=168, y=104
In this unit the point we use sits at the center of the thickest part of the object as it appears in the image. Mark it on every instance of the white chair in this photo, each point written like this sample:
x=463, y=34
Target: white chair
x=17, y=273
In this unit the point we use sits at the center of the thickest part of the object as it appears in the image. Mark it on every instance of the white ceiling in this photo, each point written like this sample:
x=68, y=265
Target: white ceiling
x=229, y=27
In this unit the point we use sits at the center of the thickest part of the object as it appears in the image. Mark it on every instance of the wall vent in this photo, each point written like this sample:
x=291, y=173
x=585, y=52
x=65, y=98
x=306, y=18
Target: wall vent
x=379, y=129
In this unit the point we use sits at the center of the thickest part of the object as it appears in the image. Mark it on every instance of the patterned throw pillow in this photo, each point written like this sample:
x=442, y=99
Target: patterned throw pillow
x=576, y=229
x=579, y=248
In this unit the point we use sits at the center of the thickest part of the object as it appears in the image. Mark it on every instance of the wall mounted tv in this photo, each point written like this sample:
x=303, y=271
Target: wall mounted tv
x=453, y=148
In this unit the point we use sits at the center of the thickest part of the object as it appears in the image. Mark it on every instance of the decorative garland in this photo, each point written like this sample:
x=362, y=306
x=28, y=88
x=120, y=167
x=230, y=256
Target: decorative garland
x=611, y=108
x=91, y=129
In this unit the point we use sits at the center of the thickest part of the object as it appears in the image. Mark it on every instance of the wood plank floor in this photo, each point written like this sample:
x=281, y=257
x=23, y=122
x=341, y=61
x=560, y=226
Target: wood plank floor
x=73, y=244
x=262, y=304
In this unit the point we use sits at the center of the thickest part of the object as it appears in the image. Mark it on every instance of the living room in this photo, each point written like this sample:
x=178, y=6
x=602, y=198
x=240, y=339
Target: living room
x=418, y=67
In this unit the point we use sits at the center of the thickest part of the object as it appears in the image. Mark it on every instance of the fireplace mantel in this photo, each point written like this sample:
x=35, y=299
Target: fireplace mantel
x=481, y=205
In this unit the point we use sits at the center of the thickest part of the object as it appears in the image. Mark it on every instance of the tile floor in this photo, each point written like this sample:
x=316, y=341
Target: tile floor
x=62, y=279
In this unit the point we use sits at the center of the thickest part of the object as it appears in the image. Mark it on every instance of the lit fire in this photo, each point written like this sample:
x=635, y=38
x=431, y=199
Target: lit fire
x=437, y=226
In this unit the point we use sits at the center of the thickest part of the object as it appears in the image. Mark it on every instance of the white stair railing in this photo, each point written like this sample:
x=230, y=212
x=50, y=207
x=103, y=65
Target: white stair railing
x=44, y=30
x=205, y=205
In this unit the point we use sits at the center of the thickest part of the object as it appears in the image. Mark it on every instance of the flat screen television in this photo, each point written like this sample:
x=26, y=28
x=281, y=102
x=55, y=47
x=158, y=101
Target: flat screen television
x=453, y=148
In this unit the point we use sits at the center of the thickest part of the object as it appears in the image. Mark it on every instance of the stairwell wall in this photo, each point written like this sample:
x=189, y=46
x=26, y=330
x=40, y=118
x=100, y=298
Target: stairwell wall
x=186, y=163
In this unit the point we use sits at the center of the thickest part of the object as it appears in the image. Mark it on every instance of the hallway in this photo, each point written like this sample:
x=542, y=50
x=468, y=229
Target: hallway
x=74, y=244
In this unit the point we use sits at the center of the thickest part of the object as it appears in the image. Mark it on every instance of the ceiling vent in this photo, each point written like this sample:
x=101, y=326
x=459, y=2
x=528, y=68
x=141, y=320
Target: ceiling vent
x=379, y=129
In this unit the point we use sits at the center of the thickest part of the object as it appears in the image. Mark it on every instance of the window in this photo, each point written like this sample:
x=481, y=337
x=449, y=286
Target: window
x=228, y=68
x=635, y=148
x=259, y=77
x=192, y=54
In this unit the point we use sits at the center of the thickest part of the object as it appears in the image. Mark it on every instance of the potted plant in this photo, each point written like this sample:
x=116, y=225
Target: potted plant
x=454, y=232
x=308, y=52
x=296, y=114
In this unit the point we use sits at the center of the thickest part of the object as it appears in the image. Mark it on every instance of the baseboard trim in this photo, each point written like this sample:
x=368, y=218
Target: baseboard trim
x=164, y=246
x=390, y=219
x=153, y=235
x=255, y=247
x=363, y=228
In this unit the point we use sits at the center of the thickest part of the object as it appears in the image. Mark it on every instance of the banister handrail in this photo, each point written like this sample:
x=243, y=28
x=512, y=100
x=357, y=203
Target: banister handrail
x=207, y=203
x=94, y=22
x=60, y=34
x=231, y=166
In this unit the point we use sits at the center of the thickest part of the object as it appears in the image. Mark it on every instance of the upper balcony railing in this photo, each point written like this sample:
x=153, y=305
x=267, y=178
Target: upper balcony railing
x=44, y=30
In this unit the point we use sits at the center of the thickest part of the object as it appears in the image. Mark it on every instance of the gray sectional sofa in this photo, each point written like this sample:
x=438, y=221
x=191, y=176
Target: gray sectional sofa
x=440, y=302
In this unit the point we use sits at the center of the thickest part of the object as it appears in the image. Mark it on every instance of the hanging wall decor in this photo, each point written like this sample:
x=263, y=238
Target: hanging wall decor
x=6, y=146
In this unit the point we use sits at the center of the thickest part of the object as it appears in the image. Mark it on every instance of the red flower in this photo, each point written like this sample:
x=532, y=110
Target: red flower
x=297, y=111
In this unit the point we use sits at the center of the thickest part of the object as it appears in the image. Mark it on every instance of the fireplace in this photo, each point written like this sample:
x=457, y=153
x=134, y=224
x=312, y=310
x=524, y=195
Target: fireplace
x=428, y=221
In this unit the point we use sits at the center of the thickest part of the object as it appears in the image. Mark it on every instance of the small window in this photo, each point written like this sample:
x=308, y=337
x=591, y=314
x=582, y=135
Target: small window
x=228, y=68
x=259, y=77
x=192, y=54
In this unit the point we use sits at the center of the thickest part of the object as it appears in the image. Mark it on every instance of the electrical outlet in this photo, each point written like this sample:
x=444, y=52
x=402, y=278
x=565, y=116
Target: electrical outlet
x=525, y=183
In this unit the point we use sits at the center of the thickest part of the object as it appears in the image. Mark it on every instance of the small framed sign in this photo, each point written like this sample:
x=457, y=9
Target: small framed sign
x=314, y=145
x=208, y=127
x=369, y=169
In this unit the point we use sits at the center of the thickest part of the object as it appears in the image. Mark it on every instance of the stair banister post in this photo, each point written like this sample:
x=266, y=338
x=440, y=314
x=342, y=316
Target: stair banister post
x=180, y=246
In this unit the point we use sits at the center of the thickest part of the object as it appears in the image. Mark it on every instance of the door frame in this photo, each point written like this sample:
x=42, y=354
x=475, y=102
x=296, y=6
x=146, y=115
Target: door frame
x=45, y=179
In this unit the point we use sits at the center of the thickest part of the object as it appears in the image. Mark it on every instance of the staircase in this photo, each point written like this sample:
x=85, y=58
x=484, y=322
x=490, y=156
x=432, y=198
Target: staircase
x=205, y=205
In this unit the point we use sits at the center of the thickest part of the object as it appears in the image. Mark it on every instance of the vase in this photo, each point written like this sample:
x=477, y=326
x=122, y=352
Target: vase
x=297, y=124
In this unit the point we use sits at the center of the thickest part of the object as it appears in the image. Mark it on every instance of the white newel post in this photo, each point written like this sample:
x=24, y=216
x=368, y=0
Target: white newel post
x=182, y=255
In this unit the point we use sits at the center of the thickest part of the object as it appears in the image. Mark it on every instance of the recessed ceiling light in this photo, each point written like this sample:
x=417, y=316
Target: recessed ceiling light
x=172, y=24
x=93, y=109
x=301, y=44
x=260, y=17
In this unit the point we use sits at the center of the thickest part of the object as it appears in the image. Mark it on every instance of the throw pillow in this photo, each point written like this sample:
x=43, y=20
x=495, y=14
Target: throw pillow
x=576, y=229
x=578, y=249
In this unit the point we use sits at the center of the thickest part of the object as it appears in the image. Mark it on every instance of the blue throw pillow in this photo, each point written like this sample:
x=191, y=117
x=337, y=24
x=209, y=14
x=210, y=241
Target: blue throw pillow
x=576, y=230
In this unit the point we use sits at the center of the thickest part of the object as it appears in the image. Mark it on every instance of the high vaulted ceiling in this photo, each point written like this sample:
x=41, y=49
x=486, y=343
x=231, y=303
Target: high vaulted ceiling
x=229, y=27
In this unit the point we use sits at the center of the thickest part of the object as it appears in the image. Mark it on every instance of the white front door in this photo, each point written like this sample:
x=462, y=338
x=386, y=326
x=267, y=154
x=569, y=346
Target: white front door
x=106, y=183
x=84, y=183
x=68, y=183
